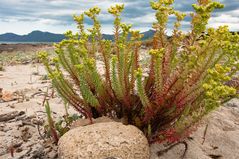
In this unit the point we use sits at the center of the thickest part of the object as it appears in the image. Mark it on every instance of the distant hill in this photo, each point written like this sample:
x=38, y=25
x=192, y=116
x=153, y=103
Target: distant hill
x=148, y=34
x=39, y=36
x=35, y=36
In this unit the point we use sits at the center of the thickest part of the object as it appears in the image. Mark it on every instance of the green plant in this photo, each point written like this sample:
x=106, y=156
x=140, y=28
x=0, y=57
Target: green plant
x=59, y=128
x=1, y=67
x=185, y=79
x=51, y=123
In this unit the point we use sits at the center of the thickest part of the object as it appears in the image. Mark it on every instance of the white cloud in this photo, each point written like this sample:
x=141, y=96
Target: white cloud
x=24, y=16
x=145, y=19
x=225, y=19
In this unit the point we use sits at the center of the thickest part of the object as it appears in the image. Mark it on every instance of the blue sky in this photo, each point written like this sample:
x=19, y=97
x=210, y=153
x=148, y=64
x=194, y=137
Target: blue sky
x=24, y=16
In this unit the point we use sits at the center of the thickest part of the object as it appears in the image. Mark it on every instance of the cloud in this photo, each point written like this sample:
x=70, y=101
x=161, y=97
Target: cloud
x=56, y=15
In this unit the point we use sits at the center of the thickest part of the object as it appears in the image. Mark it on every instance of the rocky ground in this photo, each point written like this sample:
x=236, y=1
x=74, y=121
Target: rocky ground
x=23, y=47
x=22, y=115
x=22, y=118
x=217, y=137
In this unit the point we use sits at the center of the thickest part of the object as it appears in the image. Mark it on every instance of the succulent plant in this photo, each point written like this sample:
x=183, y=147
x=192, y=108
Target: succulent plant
x=185, y=79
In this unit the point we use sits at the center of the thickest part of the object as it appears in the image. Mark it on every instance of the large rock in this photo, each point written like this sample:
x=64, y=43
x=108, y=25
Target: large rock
x=84, y=122
x=102, y=141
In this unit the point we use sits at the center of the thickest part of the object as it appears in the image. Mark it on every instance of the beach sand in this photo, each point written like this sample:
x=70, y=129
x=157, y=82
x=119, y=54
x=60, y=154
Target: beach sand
x=20, y=135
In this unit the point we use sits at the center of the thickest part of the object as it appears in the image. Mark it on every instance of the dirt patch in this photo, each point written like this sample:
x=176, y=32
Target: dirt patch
x=23, y=47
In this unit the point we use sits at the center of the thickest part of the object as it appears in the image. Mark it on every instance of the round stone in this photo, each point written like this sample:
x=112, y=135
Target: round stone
x=104, y=140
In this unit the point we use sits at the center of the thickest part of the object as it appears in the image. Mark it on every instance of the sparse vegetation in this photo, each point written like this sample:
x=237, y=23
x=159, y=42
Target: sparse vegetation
x=184, y=80
x=1, y=67
x=18, y=56
x=57, y=129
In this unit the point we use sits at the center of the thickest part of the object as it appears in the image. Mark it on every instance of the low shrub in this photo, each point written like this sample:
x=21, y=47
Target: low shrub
x=56, y=129
x=1, y=67
x=185, y=78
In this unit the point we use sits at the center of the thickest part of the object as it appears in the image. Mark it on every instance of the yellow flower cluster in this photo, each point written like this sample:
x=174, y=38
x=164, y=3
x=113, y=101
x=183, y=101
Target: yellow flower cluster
x=79, y=19
x=116, y=10
x=157, y=52
x=125, y=28
x=214, y=87
x=42, y=55
x=139, y=72
x=92, y=12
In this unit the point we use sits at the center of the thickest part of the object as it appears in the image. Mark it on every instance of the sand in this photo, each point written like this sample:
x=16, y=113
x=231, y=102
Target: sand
x=23, y=47
x=21, y=135
x=221, y=137
x=25, y=80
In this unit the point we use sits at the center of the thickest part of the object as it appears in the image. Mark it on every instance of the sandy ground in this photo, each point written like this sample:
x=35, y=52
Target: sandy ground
x=20, y=135
x=23, y=47
x=217, y=137
x=21, y=132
